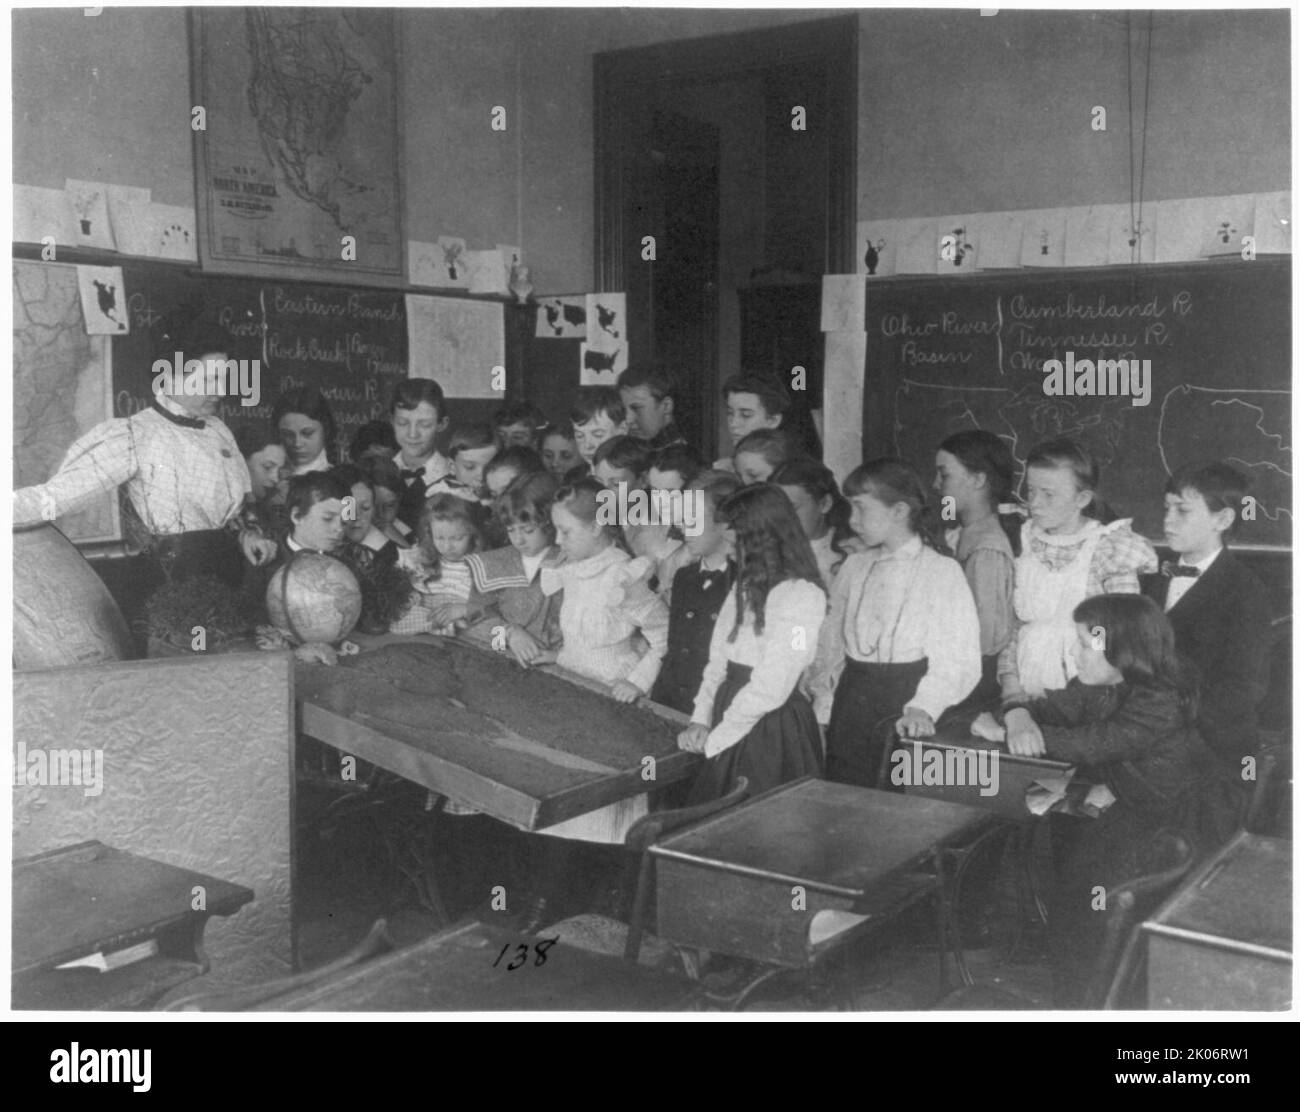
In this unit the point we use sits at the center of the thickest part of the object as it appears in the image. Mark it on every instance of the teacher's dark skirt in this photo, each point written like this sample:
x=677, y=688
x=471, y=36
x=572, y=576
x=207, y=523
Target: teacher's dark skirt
x=867, y=694
x=783, y=745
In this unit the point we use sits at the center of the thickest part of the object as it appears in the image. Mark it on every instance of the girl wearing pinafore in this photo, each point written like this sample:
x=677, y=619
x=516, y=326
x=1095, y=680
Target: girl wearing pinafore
x=614, y=627
x=1066, y=556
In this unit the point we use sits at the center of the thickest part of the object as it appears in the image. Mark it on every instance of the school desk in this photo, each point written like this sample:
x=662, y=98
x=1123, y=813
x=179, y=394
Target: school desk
x=481, y=968
x=1015, y=775
x=90, y=899
x=802, y=870
x=1222, y=942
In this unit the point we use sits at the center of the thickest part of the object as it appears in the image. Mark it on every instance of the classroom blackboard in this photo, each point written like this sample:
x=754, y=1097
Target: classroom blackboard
x=349, y=343
x=950, y=354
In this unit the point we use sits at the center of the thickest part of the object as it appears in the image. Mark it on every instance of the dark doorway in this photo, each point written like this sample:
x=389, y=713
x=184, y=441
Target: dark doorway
x=695, y=146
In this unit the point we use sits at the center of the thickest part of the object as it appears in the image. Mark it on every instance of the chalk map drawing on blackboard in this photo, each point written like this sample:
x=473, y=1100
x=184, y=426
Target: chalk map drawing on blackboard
x=301, y=143
x=63, y=387
x=1233, y=425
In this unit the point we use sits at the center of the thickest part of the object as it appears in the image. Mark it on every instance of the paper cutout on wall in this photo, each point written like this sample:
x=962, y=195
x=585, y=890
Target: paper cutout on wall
x=1272, y=223
x=1043, y=239
x=1088, y=232
x=844, y=302
x=129, y=213
x=562, y=318
x=1229, y=220
x=601, y=368
x=1180, y=229
x=457, y=341
x=877, y=250
x=999, y=235
x=88, y=202
x=487, y=272
x=42, y=212
x=1132, y=236
x=171, y=233
x=916, y=253
x=103, y=300
x=956, y=247
x=450, y=266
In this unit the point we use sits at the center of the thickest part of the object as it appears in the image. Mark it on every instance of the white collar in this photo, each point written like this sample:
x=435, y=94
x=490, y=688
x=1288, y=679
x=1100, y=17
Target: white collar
x=909, y=550
x=320, y=463
x=1203, y=565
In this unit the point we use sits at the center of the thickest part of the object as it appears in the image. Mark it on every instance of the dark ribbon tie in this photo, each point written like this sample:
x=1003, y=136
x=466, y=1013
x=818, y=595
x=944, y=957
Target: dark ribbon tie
x=1177, y=571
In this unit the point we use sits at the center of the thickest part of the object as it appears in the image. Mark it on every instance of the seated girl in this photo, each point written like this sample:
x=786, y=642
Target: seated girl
x=1126, y=719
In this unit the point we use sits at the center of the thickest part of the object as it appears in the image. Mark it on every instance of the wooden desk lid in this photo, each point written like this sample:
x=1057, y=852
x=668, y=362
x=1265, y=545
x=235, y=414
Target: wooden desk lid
x=1243, y=895
x=833, y=837
x=89, y=897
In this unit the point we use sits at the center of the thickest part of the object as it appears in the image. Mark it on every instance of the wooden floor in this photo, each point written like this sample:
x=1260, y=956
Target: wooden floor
x=348, y=879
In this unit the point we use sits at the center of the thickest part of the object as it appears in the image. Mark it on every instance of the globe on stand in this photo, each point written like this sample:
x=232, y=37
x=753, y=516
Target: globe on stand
x=314, y=598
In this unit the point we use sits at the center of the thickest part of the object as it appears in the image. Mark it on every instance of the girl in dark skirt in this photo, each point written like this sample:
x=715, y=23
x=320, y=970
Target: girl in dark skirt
x=750, y=719
x=902, y=639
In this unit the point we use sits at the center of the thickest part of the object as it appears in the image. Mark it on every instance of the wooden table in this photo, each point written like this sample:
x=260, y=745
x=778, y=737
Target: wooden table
x=799, y=871
x=463, y=969
x=91, y=899
x=531, y=747
x=1223, y=940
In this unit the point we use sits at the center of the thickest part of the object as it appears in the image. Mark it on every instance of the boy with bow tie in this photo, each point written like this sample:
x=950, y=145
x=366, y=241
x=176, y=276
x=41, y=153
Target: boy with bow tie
x=1219, y=610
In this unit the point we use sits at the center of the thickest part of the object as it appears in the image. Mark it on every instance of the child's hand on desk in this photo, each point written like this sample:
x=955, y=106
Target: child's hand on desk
x=523, y=645
x=624, y=692
x=1024, y=738
x=915, y=723
x=445, y=614
x=693, y=738
x=986, y=726
x=316, y=652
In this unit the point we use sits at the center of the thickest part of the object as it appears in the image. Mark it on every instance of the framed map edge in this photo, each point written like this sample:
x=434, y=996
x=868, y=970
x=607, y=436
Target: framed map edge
x=302, y=268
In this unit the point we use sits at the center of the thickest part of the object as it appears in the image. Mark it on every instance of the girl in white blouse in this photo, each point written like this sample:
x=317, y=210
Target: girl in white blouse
x=750, y=719
x=902, y=639
x=615, y=628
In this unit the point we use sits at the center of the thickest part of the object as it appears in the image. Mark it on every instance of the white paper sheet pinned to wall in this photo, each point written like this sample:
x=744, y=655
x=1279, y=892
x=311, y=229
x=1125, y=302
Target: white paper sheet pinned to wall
x=458, y=342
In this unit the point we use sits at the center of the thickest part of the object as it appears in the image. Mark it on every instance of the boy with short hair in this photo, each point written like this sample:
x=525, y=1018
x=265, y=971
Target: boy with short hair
x=471, y=447
x=518, y=424
x=621, y=460
x=753, y=402
x=1219, y=610
x=674, y=468
x=418, y=413
x=647, y=393
x=698, y=590
x=598, y=415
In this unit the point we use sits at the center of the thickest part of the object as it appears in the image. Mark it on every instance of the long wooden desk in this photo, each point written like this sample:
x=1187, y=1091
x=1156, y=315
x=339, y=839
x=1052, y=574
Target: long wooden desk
x=478, y=968
x=1223, y=940
x=788, y=876
x=531, y=747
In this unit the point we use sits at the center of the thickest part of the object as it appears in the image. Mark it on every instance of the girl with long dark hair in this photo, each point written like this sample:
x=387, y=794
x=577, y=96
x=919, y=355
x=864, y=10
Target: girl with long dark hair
x=750, y=719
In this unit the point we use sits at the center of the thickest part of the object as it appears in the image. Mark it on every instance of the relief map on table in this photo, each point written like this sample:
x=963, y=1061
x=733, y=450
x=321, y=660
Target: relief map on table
x=301, y=144
x=62, y=388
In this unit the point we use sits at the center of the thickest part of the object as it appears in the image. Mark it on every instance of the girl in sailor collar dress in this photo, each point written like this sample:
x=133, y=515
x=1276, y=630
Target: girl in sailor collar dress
x=615, y=628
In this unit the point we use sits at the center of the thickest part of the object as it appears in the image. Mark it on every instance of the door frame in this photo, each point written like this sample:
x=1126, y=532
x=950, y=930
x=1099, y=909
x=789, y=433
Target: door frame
x=621, y=75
